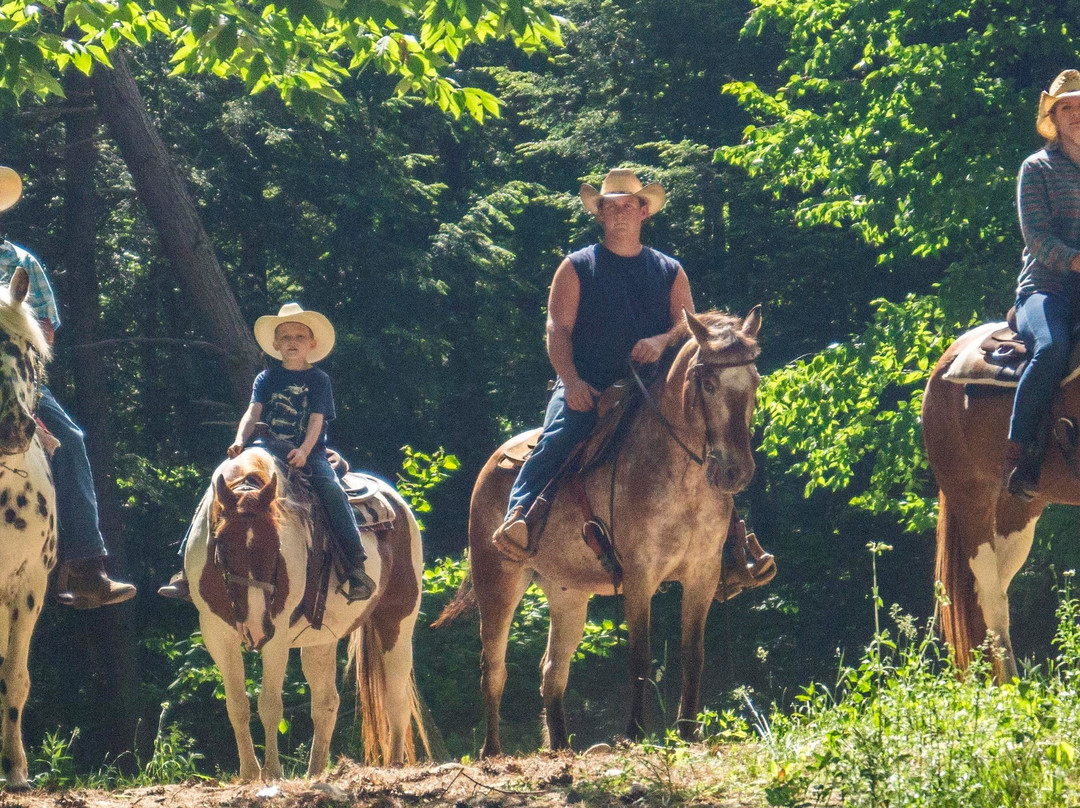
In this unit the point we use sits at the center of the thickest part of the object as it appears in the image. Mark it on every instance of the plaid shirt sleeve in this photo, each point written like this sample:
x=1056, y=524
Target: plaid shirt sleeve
x=40, y=296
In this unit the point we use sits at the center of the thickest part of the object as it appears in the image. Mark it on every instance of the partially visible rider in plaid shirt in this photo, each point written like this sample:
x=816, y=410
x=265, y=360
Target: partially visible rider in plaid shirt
x=82, y=581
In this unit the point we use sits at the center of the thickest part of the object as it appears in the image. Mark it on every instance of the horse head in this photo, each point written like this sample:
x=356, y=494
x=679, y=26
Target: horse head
x=23, y=351
x=718, y=392
x=245, y=547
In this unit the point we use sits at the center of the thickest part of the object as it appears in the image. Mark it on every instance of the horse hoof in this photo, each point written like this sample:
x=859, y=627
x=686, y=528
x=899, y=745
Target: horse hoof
x=19, y=785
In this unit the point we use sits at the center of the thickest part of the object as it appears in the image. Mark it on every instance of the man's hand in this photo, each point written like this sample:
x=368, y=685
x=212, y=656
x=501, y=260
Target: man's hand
x=580, y=395
x=234, y=450
x=649, y=350
x=297, y=457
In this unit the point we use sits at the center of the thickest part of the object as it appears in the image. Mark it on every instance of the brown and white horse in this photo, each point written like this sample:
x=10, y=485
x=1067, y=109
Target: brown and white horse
x=28, y=506
x=670, y=521
x=246, y=559
x=984, y=534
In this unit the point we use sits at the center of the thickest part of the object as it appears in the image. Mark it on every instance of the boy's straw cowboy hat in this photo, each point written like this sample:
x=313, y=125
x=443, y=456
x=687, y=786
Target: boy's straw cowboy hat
x=623, y=182
x=292, y=313
x=10, y=187
x=1066, y=85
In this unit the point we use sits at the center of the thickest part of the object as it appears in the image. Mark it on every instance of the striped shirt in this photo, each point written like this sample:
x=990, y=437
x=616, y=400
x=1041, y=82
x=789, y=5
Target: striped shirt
x=40, y=298
x=1048, y=197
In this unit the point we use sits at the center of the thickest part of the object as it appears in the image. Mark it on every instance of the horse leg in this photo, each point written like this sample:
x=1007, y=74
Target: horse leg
x=1014, y=531
x=275, y=658
x=498, y=600
x=17, y=625
x=398, y=676
x=637, y=601
x=320, y=669
x=224, y=647
x=567, y=612
x=696, y=599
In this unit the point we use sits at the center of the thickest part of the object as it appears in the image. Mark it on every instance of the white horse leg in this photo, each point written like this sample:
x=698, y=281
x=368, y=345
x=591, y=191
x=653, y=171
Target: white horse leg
x=637, y=600
x=224, y=647
x=994, y=565
x=275, y=658
x=320, y=670
x=567, y=612
x=696, y=598
x=397, y=673
x=14, y=688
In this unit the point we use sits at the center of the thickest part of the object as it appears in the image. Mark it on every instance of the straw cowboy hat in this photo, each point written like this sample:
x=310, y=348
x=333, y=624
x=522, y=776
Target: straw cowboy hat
x=1066, y=85
x=623, y=182
x=292, y=313
x=10, y=187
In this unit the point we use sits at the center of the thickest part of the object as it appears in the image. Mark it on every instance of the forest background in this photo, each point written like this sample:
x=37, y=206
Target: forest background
x=849, y=165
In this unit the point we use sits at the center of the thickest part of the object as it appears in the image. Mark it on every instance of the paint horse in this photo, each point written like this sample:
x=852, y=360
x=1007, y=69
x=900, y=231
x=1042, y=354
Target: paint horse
x=984, y=534
x=28, y=505
x=247, y=557
x=670, y=520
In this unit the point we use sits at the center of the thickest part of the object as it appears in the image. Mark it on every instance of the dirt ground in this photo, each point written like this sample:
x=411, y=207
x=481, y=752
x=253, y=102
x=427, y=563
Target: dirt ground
x=602, y=777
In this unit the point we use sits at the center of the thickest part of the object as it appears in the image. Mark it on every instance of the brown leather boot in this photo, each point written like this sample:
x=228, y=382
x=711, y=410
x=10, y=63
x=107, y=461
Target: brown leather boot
x=511, y=538
x=84, y=584
x=177, y=588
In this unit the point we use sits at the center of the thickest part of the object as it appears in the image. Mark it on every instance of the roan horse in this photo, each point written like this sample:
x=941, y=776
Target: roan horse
x=670, y=520
x=984, y=534
x=28, y=503
x=247, y=557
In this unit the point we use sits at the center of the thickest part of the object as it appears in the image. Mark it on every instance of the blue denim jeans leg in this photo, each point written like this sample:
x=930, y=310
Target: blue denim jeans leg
x=564, y=429
x=1045, y=321
x=76, y=501
x=324, y=482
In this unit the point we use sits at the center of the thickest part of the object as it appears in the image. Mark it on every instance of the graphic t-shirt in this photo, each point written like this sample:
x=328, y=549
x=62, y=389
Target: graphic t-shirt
x=290, y=397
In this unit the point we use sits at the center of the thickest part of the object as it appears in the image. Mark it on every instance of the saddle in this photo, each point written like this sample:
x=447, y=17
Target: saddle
x=995, y=356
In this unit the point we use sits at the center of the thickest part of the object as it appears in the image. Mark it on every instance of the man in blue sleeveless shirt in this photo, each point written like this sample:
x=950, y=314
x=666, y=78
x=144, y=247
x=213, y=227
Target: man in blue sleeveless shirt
x=609, y=302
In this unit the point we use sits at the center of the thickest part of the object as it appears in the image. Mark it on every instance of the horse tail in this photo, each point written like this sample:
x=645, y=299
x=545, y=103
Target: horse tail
x=367, y=659
x=960, y=615
x=463, y=603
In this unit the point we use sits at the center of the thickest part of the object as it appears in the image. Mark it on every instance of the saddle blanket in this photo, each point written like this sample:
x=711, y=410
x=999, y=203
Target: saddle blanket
x=993, y=355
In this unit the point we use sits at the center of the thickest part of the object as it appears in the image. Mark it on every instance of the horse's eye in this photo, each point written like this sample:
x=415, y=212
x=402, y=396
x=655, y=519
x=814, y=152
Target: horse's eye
x=709, y=385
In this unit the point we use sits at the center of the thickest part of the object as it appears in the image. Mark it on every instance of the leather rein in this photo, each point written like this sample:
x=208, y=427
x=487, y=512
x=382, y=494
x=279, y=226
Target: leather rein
x=695, y=370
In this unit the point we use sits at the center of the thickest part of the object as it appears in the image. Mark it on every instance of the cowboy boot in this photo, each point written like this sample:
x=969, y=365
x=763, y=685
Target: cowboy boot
x=762, y=564
x=360, y=584
x=177, y=588
x=511, y=538
x=84, y=584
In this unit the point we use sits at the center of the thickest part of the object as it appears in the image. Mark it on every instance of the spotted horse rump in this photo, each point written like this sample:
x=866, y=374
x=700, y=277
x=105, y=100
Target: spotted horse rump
x=247, y=559
x=27, y=515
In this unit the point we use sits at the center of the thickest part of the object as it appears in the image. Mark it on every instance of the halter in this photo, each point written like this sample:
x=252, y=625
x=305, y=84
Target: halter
x=695, y=370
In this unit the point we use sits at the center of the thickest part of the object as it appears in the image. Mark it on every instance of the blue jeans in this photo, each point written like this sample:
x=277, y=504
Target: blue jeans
x=325, y=484
x=1045, y=322
x=564, y=429
x=76, y=502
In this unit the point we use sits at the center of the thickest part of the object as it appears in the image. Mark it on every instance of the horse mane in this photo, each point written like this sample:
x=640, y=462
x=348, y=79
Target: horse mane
x=724, y=329
x=20, y=321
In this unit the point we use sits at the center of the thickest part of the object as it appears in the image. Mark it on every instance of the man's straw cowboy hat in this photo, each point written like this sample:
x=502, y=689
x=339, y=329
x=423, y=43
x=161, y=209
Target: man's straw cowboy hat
x=10, y=187
x=623, y=182
x=1066, y=85
x=292, y=313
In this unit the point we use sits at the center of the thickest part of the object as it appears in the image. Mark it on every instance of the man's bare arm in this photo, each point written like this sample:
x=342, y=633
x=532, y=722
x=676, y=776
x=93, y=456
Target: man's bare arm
x=563, y=304
x=650, y=349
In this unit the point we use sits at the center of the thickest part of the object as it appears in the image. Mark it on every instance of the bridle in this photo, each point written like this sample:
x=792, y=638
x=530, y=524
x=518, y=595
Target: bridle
x=220, y=560
x=695, y=371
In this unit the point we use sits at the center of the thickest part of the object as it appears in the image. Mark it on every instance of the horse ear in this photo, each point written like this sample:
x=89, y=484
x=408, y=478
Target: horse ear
x=752, y=324
x=697, y=328
x=225, y=494
x=19, y=286
x=268, y=493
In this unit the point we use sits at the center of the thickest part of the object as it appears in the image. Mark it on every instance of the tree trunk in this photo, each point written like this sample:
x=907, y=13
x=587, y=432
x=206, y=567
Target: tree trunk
x=110, y=649
x=162, y=191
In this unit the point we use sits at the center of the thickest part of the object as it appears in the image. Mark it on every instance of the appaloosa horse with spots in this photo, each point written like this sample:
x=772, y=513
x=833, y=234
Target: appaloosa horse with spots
x=984, y=534
x=247, y=557
x=28, y=507
x=670, y=518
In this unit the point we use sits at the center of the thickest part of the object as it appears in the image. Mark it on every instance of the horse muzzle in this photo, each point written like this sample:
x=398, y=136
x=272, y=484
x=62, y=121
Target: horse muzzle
x=254, y=640
x=730, y=474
